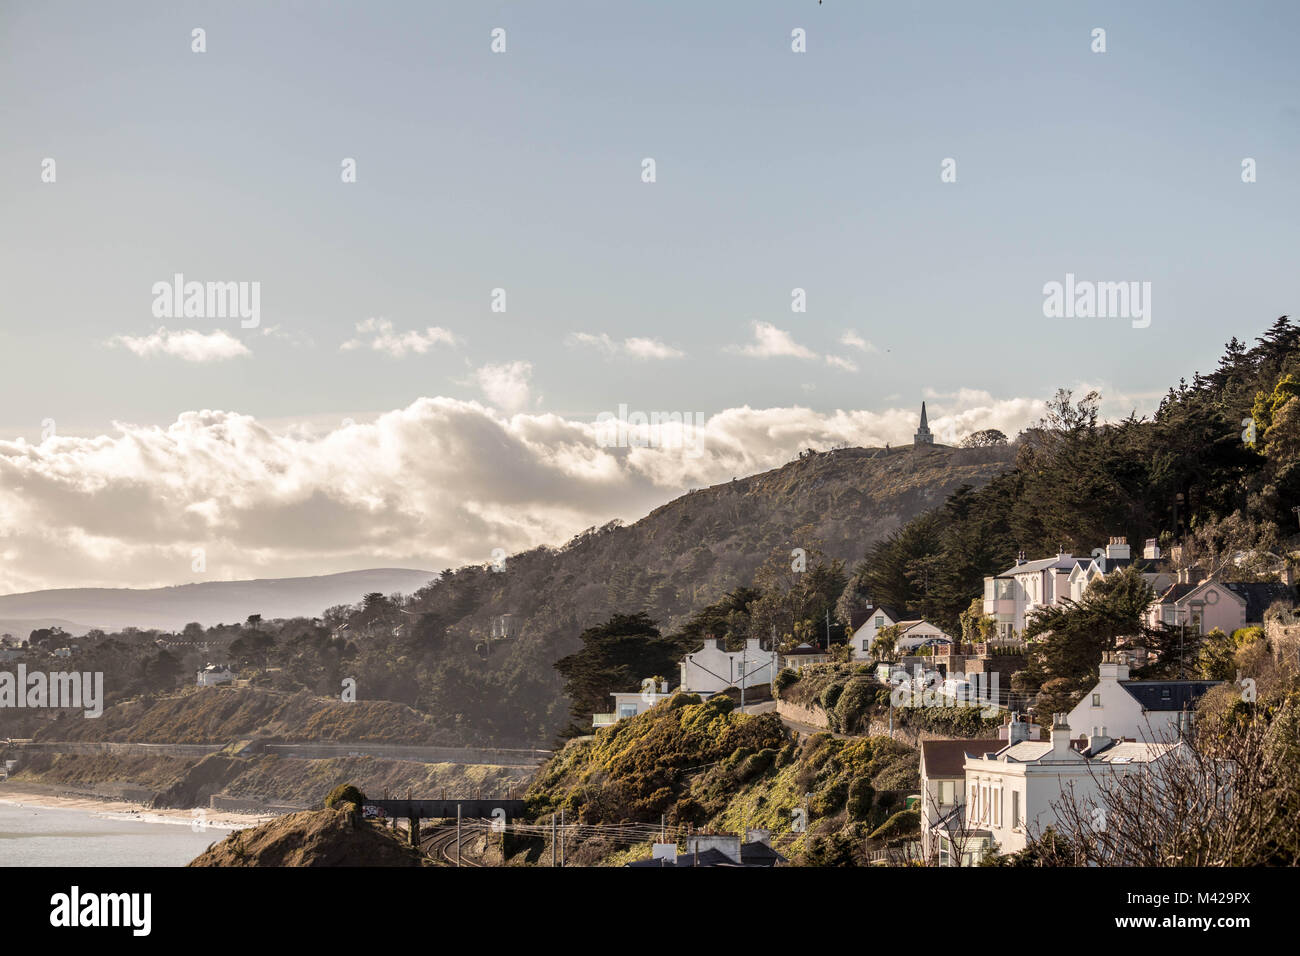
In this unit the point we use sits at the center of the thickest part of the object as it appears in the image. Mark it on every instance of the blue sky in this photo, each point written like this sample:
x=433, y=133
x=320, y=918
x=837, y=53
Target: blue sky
x=521, y=170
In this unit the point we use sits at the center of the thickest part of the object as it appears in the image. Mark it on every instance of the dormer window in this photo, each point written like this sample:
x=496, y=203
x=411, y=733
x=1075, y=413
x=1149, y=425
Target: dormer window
x=1096, y=700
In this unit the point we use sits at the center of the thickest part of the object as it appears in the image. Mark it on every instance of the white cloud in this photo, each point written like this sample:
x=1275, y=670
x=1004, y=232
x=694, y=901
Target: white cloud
x=771, y=342
x=838, y=361
x=380, y=336
x=188, y=344
x=853, y=340
x=635, y=347
x=436, y=484
x=506, y=386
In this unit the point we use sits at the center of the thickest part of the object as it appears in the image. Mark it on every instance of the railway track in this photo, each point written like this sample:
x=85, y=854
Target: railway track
x=441, y=844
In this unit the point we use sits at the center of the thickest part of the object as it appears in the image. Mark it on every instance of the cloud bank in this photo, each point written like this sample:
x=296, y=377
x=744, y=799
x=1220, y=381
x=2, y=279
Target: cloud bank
x=436, y=484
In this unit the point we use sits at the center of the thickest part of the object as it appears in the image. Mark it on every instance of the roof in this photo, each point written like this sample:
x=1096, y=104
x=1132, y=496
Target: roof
x=1176, y=592
x=1182, y=694
x=804, y=650
x=889, y=612
x=751, y=854
x=947, y=758
x=1062, y=561
x=1258, y=596
x=1132, y=752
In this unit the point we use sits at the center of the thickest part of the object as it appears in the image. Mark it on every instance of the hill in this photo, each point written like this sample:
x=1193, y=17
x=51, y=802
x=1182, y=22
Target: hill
x=691, y=764
x=208, y=602
x=311, y=838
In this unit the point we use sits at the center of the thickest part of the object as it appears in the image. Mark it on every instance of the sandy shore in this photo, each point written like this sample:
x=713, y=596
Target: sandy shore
x=34, y=795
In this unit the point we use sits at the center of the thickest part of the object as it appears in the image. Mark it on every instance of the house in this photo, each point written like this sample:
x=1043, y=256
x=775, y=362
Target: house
x=215, y=674
x=1013, y=794
x=714, y=849
x=1203, y=605
x=1028, y=585
x=1144, y=710
x=630, y=704
x=943, y=788
x=912, y=633
x=802, y=655
x=877, y=617
x=714, y=668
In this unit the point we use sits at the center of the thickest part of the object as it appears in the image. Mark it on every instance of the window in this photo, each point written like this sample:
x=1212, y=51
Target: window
x=946, y=792
x=997, y=807
x=1096, y=700
x=626, y=710
x=864, y=644
x=880, y=622
x=1015, y=808
x=1164, y=693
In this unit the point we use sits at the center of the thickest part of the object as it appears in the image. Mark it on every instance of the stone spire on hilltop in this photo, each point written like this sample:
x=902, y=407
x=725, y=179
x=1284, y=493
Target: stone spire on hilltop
x=923, y=436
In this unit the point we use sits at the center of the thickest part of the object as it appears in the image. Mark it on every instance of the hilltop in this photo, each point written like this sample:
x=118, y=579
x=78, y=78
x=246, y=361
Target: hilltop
x=78, y=610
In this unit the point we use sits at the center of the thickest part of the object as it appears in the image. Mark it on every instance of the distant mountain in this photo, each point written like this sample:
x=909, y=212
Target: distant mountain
x=209, y=602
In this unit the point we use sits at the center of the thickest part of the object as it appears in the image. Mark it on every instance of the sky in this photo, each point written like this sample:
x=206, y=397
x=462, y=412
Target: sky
x=435, y=342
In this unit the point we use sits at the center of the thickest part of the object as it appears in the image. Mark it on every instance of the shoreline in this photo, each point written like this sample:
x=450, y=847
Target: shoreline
x=38, y=796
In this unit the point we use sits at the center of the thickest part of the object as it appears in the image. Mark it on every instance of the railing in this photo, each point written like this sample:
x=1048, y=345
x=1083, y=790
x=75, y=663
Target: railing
x=603, y=720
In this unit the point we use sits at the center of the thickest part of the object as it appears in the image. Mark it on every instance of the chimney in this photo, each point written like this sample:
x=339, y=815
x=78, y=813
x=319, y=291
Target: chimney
x=1151, y=550
x=757, y=835
x=1117, y=548
x=1020, y=558
x=1111, y=668
x=1098, y=741
x=1060, y=735
x=1017, y=729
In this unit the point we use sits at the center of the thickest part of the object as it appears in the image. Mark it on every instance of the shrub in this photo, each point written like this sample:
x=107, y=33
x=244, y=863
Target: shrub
x=785, y=679
x=830, y=695
x=861, y=796
x=344, y=793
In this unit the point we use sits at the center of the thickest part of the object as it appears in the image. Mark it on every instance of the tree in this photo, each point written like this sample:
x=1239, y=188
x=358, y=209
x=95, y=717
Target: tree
x=1067, y=640
x=984, y=439
x=616, y=656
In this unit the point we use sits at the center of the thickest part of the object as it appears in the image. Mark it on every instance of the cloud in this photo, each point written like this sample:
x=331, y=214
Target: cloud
x=188, y=344
x=436, y=484
x=771, y=342
x=506, y=386
x=853, y=340
x=380, y=336
x=838, y=361
x=635, y=347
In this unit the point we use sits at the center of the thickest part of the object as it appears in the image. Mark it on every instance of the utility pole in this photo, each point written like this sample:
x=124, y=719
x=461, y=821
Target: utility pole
x=744, y=664
x=561, y=837
x=458, y=834
x=553, y=839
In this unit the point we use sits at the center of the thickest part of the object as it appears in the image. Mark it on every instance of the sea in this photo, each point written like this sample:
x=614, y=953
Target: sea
x=42, y=836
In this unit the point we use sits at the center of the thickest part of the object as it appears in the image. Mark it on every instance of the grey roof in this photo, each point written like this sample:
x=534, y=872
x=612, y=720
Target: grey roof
x=1167, y=694
x=1258, y=596
x=1062, y=562
x=1133, y=752
x=751, y=854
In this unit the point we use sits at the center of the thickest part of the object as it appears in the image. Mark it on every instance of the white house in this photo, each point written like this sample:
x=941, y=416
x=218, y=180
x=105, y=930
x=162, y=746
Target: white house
x=943, y=789
x=1012, y=794
x=1146, y=710
x=1011, y=596
x=215, y=674
x=878, y=616
x=713, y=668
x=630, y=704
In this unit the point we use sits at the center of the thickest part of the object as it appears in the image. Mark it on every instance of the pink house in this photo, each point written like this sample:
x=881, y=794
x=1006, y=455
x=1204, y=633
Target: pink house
x=1226, y=605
